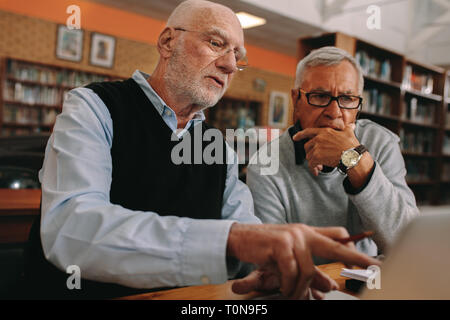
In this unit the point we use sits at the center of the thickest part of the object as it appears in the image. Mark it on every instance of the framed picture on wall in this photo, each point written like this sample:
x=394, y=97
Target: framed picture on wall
x=69, y=44
x=278, y=109
x=102, y=50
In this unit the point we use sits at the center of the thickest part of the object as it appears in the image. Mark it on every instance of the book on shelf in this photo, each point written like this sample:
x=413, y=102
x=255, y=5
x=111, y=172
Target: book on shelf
x=374, y=67
x=418, y=170
x=16, y=114
x=416, y=141
x=48, y=116
x=377, y=102
x=31, y=94
x=6, y=132
x=419, y=111
x=51, y=76
x=413, y=80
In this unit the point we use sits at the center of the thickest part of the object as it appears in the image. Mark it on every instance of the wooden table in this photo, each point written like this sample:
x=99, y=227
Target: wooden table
x=18, y=209
x=223, y=291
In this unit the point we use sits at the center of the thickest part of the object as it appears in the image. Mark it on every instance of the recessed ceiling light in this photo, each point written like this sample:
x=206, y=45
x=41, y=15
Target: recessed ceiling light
x=250, y=21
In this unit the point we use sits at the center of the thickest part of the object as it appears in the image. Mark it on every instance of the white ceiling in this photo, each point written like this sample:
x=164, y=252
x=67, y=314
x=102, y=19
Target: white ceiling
x=279, y=34
x=417, y=28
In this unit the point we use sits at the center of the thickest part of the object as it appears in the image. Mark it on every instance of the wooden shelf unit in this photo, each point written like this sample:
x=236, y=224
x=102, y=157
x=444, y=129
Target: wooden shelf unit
x=418, y=114
x=32, y=94
x=236, y=113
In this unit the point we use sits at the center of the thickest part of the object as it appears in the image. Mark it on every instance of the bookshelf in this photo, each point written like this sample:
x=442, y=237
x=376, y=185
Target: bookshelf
x=32, y=94
x=234, y=113
x=444, y=188
x=409, y=98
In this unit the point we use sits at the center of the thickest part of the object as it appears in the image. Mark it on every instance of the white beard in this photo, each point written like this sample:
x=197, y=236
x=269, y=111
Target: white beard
x=190, y=87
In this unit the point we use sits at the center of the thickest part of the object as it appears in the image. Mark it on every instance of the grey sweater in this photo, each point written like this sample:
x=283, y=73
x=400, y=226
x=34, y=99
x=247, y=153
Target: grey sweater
x=295, y=195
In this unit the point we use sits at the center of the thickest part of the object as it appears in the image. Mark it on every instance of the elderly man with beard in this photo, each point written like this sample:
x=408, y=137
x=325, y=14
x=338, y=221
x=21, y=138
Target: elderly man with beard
x=116, y=206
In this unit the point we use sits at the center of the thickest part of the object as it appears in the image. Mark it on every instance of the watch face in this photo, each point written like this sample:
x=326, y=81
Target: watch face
x=350, y=158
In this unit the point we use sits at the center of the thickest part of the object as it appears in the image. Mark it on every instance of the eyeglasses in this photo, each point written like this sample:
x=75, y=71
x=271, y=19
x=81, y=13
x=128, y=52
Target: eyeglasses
x=219, y=47
x=322, y=100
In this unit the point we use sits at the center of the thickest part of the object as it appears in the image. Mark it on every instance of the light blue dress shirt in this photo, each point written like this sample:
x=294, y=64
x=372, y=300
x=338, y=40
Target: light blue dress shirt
x=108, y=242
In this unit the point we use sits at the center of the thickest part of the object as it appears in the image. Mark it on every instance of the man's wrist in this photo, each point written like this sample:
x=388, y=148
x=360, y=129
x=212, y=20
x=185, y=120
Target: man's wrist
x=359, y=174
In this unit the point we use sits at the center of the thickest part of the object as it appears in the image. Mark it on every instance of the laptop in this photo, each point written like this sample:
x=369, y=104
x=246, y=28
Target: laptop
x=417, y=266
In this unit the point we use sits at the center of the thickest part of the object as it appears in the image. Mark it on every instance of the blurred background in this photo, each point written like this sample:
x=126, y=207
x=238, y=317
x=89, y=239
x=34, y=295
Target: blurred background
x=402, y=45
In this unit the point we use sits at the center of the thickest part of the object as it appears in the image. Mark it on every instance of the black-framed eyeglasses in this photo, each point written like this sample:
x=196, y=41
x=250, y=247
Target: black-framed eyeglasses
x=220, y=48
x=322, y=99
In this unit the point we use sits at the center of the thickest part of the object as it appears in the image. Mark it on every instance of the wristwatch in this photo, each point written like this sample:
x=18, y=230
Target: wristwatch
x=350, y=158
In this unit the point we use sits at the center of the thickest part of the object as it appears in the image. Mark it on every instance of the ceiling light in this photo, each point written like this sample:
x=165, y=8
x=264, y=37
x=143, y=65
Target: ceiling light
x=250, y=21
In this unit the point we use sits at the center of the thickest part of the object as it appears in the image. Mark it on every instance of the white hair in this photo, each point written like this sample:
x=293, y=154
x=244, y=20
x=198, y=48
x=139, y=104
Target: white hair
x=327, y=56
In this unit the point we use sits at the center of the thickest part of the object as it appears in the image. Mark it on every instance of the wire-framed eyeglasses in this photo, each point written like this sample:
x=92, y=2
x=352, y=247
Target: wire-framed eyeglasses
x=220, y=47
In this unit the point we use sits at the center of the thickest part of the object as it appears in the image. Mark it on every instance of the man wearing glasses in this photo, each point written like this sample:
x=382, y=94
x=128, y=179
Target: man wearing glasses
x=115, y=204
x=335, y=170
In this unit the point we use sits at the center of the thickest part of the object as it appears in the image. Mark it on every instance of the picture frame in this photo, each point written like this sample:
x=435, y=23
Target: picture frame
x=102, y=50
x=278, y=109
x=69, y=44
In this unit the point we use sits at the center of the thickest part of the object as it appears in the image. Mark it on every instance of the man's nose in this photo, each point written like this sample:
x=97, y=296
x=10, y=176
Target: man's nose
x=333, y=111
x=227, y=63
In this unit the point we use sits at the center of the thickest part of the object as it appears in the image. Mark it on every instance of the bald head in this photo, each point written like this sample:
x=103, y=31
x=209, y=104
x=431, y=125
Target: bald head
x=200, y=49
x=191, y=13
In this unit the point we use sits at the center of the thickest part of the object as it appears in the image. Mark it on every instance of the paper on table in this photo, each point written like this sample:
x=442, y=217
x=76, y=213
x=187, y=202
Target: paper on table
x=358, y=274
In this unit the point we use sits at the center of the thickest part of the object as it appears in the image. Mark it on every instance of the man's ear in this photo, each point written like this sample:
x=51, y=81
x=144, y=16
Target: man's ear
x=295, y=95
x=166, y=42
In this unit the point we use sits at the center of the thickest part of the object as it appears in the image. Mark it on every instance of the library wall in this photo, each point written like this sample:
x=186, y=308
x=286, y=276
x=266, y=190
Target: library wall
x=34, y=39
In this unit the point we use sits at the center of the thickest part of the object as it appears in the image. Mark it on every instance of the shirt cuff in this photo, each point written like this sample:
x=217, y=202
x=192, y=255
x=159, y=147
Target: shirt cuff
x=203, y=259
x=354, y=191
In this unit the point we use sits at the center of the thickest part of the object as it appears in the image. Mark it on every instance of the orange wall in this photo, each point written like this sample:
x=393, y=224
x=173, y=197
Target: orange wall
x=100, y=18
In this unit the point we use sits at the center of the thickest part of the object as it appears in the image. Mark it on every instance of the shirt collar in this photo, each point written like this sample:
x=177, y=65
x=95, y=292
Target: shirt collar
x=299, y=146
x=141, y=79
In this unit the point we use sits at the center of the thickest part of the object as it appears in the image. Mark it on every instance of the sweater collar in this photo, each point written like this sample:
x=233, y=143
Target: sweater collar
x=299, y=146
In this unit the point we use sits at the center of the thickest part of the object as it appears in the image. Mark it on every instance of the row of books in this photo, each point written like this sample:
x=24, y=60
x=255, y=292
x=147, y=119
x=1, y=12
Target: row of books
x=376, y=101
x=28, y=115
x=418, y=170
x=417, y=81
x=419, y=111
x=8, y=132
x=32, y=94
x=44, y=75
x=416, y=141
x=374, y=67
